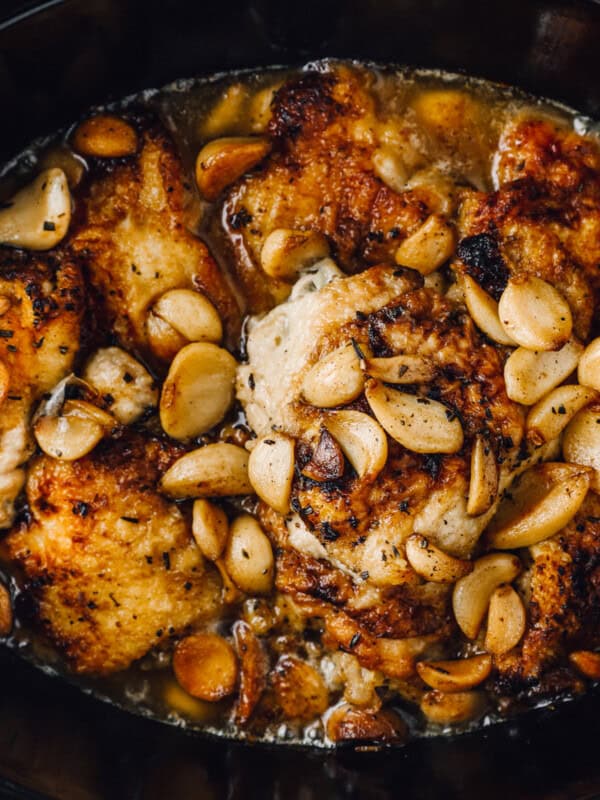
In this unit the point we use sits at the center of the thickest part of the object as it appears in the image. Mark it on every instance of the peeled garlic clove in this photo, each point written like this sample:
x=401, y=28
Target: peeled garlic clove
x=85, y=410
x=433, y=564
x=223, y=161
x=471, y=595
x=530, y=375
x=163, y=339
x=581, y=442
x=249, y=556
x=67, y=438
x=115, y=373
x=271, y=471
x=210, y=528
x=484, y=311
x=215, y=470
x=540, y=503
x=349, y=724
x=400, y=369
x=286, y=252
x=190, y=314
x=105, y=136
x=587, y=662
x=534, y=314
x=506, y=621
x=198, y=390
x=419, y=424
x=483, y=485
x=299, y=688
x=429, y=247
x=334, y=380
x=362, y=439
x=550, y=416
x=38, y=216
x=457, y=675
x=389, y=167
x=448, y=709
x=205, y=666
x=588, y=370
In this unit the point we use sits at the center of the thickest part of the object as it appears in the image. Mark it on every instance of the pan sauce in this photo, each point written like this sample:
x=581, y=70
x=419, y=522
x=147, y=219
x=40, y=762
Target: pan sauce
x=449, y=144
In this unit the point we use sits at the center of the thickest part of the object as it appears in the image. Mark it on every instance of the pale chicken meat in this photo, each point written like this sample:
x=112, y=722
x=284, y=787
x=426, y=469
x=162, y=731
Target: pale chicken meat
x=110, y=566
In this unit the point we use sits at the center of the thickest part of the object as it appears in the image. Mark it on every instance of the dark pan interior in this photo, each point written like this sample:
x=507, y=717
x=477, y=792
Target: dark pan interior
x=66, y=56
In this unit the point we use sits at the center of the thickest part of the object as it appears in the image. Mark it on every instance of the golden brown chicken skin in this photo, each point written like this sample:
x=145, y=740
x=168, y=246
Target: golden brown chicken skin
x=42, y=301
x=562, y=586
x=109, y=566
x=344, y=546
x=320, y=176
x=132, y=232
x=543, y=220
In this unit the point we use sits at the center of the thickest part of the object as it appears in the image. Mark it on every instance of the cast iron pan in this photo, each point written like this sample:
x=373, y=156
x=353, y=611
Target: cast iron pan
x=60, y=57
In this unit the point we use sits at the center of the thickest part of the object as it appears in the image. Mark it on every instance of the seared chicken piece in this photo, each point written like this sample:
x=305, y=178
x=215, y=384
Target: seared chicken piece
x=562, y=587
x=109, y=565
x=346, y=543
x=130, y=229
x=41, y=305
x=544, y=219
x=389, y=312
x=320, y=176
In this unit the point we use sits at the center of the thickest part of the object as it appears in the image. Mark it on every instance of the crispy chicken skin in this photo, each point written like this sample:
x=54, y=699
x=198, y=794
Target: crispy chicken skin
x=130, y=231
x=320, y=176
x=562, y=587
x=43, y=300
x=110, y=566
x=544, y=219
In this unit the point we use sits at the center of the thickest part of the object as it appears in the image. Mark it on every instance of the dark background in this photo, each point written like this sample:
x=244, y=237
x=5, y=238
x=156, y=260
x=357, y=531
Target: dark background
x=53, y=65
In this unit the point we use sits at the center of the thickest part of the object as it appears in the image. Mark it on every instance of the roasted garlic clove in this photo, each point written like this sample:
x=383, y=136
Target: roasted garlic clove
x=471, y=596
x=535, y=314
x=334, y=380
x=287, y=252
x=105, y=136
x=418, y=423
x=205, y=666
x=223, y=161
x=457, y=675
x=429, y=247
x=433, y=564
x=362, y=439
x=271, y=470
x=248, y=557
x=215, y=470
x=540, y=502
x=198, y=391
x=38, y=216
